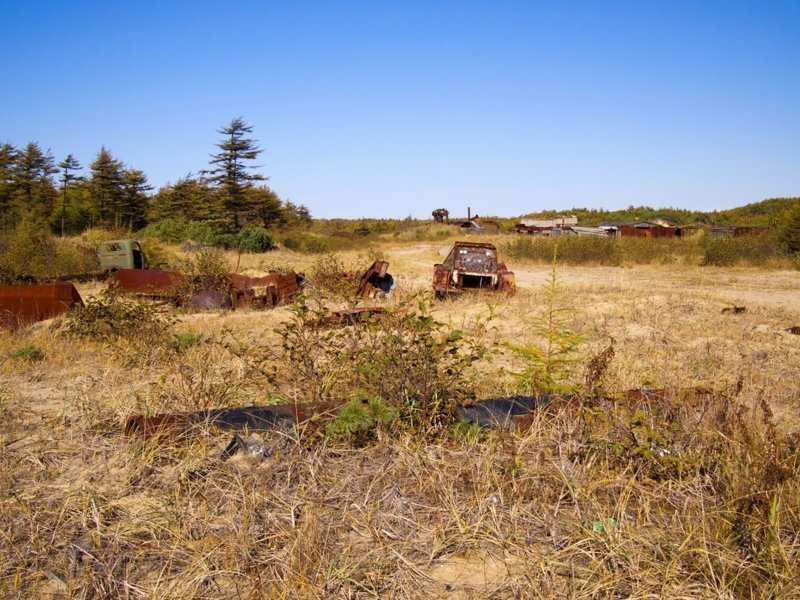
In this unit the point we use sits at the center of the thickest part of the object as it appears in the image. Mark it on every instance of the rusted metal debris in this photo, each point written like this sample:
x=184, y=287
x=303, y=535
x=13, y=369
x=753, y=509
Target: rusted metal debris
x=515, y=412
x=472, y=266
x=376, y=282
x=734, y=310
x=263, y=292
x=348, y=316
x=242, y=291
x=251, y=418
x=22, y=305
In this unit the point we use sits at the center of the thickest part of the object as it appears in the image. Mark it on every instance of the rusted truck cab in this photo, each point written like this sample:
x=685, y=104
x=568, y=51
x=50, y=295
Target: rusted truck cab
x=121, y=254
x=472, y=266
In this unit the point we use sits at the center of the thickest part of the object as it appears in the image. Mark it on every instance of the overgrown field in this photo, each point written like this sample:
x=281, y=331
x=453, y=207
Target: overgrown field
x=395, y=499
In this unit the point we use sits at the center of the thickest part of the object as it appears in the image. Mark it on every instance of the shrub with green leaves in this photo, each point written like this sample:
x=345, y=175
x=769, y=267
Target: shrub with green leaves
x=548, y=358
x=28, y=353
x=746, y=250
x=112, y=317
x=359, y=420
x=416, y=365
x=572, y=250
x=32, y=251
x=253, y=239
x=183, y=341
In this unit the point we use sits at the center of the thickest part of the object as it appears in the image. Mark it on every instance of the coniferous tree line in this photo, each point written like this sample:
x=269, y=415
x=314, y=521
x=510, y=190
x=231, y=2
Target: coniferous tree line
x=229, y=194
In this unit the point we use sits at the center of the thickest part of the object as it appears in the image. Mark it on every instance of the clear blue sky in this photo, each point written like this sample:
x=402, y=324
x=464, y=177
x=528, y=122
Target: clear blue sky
x=393, y=109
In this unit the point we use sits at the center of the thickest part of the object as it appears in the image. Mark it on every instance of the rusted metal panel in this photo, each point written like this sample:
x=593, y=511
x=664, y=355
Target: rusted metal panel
x=22, y=305
x=159, y=284
x=376, y=281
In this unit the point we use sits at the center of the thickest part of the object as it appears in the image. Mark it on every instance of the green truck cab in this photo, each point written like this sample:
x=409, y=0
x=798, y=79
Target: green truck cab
x=121, y=254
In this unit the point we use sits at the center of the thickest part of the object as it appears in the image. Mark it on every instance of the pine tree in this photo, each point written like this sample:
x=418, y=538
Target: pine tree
x=133, y=210
x=8, y=162
x=231, y=169
x=33, y=182
x=189, y=199
x=107, y=190
x=69, y=166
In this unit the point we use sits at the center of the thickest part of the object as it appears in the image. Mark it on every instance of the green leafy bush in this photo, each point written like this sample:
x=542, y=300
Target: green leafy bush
x=28, y=353
x=183, y=341
x=112, y=317
x=254, y=239
x=747, y=250
x=572, y=250
x=416, y=365
x=32, y=251
x=358, y=421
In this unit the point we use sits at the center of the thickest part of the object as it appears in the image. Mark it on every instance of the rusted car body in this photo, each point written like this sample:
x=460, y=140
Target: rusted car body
x=22, y=305
x=472, y=266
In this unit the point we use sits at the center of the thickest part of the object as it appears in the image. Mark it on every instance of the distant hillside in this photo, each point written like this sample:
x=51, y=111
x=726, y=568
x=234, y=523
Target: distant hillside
x=763, y=213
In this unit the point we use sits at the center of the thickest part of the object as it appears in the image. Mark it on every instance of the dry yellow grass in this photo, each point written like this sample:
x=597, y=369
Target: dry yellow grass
x=85, y=512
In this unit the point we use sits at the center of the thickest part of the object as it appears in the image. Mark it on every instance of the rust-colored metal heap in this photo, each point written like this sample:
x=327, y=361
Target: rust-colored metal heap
x=245, y=292
x=262, y=292
x=22, y=305
x=375, y=281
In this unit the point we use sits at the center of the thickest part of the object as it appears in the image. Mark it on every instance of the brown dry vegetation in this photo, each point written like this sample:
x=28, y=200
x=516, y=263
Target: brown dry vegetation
x=600, y=502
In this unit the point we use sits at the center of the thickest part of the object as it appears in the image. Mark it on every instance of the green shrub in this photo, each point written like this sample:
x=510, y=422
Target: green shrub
x=309, y=243
x=254, y=239
x=184, y=341
x=358, y=421
x=28, y=353
x=572, y=250
x=416, y=365
x=32, y=251
x=113, y=317
x=746, y=250
x=167, y=230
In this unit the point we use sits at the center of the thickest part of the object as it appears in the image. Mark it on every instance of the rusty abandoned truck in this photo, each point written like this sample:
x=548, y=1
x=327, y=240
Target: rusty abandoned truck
x=472, y=266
